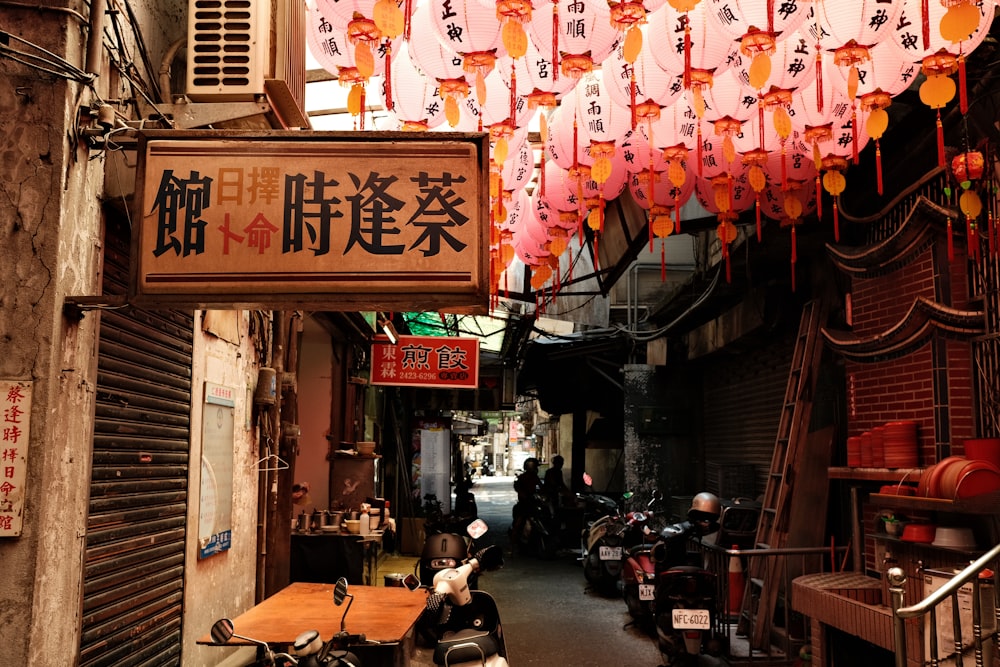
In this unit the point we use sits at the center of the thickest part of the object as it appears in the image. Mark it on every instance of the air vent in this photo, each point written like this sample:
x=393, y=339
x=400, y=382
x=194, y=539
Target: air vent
x=228, y=49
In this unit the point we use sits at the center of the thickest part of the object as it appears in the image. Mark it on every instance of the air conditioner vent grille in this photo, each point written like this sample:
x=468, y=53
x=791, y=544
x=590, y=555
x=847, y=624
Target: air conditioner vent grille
x=228, y=47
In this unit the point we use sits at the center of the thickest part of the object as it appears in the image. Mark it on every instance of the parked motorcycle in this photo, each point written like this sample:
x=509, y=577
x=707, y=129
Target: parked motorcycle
x=685, y=592
x=638, y=570
x=464, y=623
x=310, y=649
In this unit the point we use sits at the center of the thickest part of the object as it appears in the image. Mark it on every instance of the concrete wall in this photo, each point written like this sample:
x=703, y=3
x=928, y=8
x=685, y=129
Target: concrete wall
x=222, y=585
x=50, y=247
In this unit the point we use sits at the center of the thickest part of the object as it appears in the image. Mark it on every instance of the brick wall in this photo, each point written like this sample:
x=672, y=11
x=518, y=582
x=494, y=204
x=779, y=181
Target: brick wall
x=904, y=388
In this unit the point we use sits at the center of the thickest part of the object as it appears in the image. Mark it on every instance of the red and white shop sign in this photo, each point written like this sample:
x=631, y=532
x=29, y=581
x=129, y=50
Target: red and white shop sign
x=426, y=361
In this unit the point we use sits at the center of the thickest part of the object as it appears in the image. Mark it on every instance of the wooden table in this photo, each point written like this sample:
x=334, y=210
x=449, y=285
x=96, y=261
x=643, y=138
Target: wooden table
x=382, y=614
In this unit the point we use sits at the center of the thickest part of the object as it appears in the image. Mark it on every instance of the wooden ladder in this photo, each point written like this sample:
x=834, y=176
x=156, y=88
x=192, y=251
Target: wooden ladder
x=766, y=574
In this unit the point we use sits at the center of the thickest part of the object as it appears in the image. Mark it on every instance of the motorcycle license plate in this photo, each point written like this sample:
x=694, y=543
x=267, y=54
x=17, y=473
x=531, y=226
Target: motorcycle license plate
x=647, y=592
x=610, y=553
x=691, y=619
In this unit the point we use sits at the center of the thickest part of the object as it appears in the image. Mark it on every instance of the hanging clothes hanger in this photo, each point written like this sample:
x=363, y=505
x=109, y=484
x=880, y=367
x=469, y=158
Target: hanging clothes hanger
x=269, y=461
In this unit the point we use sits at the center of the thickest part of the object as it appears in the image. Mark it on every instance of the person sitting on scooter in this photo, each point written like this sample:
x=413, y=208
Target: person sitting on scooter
x=527, y=485
x=703, y=519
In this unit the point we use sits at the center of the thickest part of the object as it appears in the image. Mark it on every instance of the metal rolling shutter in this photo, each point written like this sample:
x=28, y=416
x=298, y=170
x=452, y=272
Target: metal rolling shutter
x=134, y=559
x=742, y=407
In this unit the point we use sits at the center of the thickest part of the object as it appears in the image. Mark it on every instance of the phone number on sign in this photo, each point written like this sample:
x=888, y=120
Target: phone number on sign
x=441, y=375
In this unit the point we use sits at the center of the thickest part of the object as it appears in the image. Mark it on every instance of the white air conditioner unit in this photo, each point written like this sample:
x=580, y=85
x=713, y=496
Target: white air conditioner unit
x=242, y=50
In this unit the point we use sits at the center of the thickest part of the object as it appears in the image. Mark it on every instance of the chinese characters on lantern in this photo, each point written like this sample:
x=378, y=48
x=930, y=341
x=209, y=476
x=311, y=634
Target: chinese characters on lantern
x=318, y=221
x=426, y=361
x=16, y=398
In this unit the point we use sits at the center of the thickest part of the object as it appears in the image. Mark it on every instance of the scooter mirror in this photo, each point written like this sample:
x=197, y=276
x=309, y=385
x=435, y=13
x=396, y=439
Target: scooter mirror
x=411, y=581
x=477, y=529
x=222, y=631
x=340, y=591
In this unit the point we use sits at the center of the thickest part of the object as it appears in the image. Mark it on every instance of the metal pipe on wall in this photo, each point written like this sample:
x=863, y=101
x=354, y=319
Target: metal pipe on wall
x=95, y=41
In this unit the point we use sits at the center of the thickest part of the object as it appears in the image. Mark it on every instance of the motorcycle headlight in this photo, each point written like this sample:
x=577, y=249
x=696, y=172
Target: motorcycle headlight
x=443, y=563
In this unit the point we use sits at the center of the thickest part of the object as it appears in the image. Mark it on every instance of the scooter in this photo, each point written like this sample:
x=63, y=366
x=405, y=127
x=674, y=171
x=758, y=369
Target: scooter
x=638, y=569
x=465, y=623
x=536, y=533
x=310, y=649
x=601, y=545
x=685, y=601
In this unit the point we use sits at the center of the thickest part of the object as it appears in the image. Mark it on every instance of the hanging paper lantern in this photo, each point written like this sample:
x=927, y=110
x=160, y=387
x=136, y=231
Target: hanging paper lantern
x=496, y=108
x=641, y=86
x=793, y=161
x=792, y=66
x=736, y=17
x=332, y=49
x=583, y=32
x=730, y=97
x=416, y=104
x=938, y=89
x=685, y=41
x=637, y=154
x=519, y=166
x=967, y=166
x=601, y=122
x=536, y=80
x=464, y=28
x=564, y=137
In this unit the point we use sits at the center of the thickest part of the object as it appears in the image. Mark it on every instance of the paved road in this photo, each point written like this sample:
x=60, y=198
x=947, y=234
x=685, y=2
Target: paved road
x=549, y=617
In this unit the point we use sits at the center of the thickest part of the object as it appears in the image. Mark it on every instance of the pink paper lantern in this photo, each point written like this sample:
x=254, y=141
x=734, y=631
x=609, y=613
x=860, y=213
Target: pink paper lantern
x=711, y=49
x=794, y=161
x=416, y=104
x=519, y=167
x=599, y=119
x=736, y=17
x=907, y=35
x=664, y=193
x=793, y=65
x=331, y=48
x=496, y=108
x=584, y=34
x=536, y=80
x=559, y=146
x=888, y=71
x=465, y=27
x=729, y=96
x=867, y=22
x=739, y=196
x=772, y=200
x=652, y=82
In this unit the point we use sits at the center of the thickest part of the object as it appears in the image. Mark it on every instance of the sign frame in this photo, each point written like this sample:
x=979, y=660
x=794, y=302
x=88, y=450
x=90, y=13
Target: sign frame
x=347, y=276
x=415, y=361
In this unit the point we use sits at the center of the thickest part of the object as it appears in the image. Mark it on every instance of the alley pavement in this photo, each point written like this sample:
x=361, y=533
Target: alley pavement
x=549, y=616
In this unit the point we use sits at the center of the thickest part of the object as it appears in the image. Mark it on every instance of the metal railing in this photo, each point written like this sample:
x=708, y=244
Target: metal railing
x=948, y=594
x=736, y=616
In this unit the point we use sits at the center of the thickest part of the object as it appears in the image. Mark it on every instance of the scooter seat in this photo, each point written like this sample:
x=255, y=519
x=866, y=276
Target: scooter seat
x=465, y=646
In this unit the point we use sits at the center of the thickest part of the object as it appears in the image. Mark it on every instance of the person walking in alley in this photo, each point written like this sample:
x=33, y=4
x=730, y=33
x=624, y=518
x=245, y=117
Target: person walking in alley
x=527, y=484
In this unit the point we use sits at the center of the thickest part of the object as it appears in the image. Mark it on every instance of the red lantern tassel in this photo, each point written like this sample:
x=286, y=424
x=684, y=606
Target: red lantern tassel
x=760, y=118
x=940, y=140
x=596, y=256
x=951, y=243
x=925, y=23
x=795, y=252
x=541, y=175
x=819, y=78
x=794, y=256
x=663, y=261
x=970, y=237
x=784, y=166
x=854, y=133
x=757, y=205
x=555, y=40
x=650, y=225
x=729, y=268
x=388, y=76
x=513, y=90
x=963, y=93
x=687, y=55
x=600, y=215
x=878, y=165
x=819, y=199
x=990, y=230
x=770, y=15
x=699, y=148
x=631, y=97
x=361, y=122
x=407, y=13
x=836, y=222
x=677, y=219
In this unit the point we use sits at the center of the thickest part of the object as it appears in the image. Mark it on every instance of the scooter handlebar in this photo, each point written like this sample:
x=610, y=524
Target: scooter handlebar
x=435, y=600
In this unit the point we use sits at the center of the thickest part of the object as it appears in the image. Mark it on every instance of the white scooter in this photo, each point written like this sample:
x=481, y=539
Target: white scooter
x=465, y=622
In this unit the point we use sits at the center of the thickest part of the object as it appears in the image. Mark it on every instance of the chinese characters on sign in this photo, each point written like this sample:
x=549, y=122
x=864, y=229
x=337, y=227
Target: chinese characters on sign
x=426, y=361
x=16, y=398
x=311, y=218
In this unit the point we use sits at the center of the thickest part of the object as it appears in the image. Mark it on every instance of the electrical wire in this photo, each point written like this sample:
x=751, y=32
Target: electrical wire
x=47, y=62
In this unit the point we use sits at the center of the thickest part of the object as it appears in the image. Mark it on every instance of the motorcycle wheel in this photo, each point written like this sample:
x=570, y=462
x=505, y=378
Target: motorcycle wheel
x=637, y=609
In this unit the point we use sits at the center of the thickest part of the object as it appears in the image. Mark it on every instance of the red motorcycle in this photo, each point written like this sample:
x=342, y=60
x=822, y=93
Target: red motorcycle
x=638, y=570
